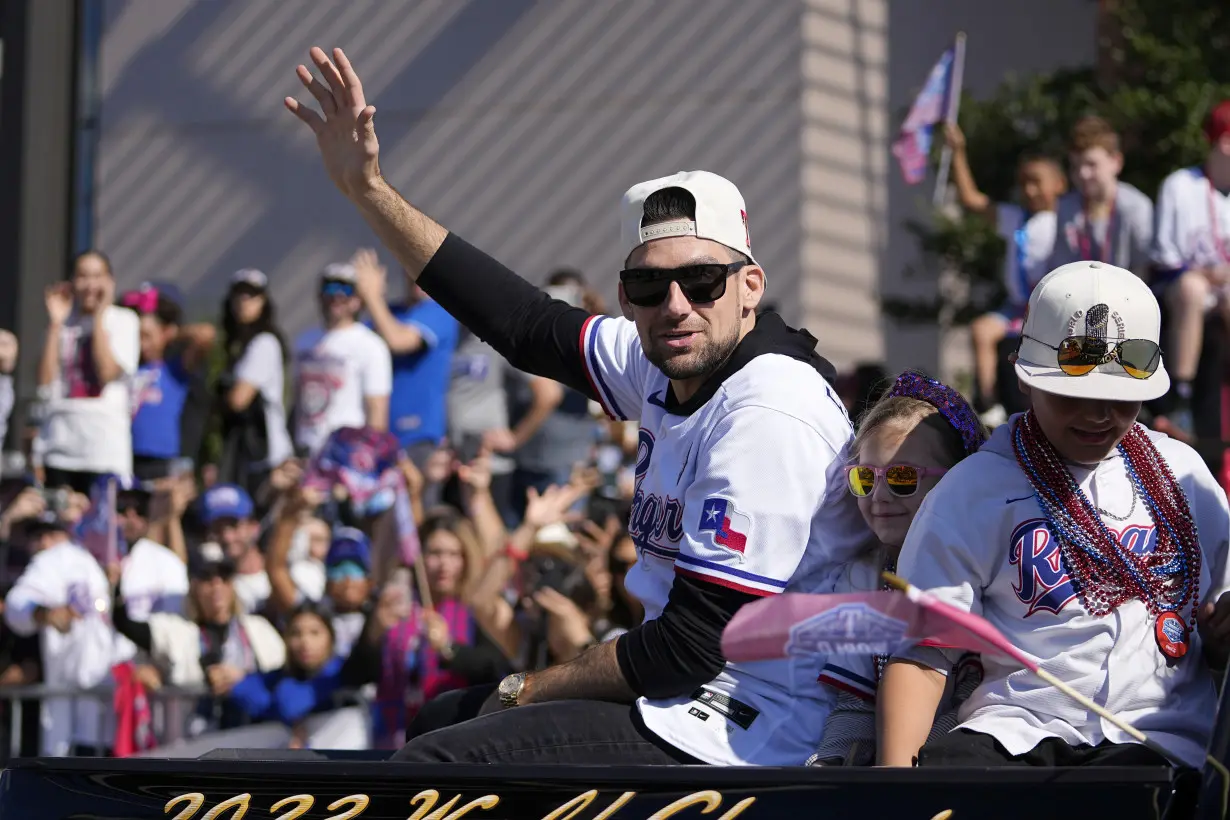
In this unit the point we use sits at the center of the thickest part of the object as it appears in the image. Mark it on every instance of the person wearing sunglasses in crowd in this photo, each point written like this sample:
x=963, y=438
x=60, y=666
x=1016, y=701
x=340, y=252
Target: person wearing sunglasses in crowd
x=906, y=442
x=343, y=370
x=740, y=486
x=1094, y=545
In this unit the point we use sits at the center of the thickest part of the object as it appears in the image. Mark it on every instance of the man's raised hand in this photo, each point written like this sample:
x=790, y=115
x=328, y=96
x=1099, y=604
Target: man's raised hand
x=345, y=134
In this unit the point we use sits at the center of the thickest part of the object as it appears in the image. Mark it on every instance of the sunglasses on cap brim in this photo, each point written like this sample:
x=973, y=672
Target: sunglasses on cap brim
x=1080, y=355
x=901, y=479
x=649, y=287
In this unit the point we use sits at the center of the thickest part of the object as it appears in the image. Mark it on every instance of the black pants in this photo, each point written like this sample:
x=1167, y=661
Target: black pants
x=581, y=732
x=449, y=709
x=965, y=748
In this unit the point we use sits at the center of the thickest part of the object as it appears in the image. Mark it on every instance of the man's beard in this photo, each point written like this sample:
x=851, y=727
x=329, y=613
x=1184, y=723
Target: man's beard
x=696, y=363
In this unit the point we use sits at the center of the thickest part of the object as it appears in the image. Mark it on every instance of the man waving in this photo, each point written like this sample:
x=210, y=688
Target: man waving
x=740, y=492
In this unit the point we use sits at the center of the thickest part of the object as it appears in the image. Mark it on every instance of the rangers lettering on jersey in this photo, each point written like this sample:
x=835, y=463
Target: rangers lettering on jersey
x=717, y=516
x=1042, y=582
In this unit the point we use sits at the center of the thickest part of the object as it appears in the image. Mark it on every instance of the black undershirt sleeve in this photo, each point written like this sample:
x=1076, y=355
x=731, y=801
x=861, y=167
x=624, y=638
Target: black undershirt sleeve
x=535, y=333
x=136, y=631
x=681, y=649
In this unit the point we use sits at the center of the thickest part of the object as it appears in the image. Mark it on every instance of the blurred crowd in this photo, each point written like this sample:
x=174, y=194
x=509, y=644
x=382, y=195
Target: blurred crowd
x=270, y=531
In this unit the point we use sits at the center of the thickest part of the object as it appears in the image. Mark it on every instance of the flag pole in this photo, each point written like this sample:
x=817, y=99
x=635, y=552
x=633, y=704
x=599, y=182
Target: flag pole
x=954, y=108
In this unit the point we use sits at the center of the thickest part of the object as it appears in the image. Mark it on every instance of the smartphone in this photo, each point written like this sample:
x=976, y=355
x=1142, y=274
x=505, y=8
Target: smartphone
x=468, y=447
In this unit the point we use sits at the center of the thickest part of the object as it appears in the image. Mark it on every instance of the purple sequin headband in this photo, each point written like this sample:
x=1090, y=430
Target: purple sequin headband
x=951, y=404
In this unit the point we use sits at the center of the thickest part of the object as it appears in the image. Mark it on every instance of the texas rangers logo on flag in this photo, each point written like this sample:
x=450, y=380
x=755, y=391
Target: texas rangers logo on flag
x=729, y=528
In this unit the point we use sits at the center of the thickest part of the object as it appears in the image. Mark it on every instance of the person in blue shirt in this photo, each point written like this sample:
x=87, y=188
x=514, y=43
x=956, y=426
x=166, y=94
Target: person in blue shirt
x=162, y=384
x=422, y=336
x=308, y=681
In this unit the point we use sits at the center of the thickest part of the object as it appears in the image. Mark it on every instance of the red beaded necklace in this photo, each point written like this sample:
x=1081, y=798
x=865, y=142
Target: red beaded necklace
x=1104, y=572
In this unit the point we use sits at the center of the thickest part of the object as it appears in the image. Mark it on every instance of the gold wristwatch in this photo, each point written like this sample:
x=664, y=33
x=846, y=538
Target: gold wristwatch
x=510, y=689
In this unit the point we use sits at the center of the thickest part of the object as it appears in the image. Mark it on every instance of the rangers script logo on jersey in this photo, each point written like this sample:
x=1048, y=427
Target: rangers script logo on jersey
x=1042, y=582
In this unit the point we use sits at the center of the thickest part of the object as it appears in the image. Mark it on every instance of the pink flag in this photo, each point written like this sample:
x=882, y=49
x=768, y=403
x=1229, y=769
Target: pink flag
x=861, y=623
x=913, y=145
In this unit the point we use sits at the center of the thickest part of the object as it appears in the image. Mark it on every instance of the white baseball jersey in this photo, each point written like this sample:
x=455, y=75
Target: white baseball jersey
x=1193, y=223
x=1030, y=240
x=980, y=542
x=746, y=491
x=67, y=575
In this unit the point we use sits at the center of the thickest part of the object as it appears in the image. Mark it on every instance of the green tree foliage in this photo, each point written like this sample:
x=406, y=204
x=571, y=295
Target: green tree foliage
x=1164, y=64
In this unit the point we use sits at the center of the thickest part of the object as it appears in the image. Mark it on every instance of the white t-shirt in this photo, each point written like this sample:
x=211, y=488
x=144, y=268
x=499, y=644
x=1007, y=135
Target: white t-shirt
x=253, y=590
x=261, y=367
x=746, y=492
x=1030, y=239
x=1193, y=223
x=89, y=425
x=153, y=579
x=980, y=542
x=335, y=371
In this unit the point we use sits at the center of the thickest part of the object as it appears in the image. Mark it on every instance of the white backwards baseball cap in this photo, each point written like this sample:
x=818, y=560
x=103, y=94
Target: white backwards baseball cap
x=721, y=213
x=1095, y=300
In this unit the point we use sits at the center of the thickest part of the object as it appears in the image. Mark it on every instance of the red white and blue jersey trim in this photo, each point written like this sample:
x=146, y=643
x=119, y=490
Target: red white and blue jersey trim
x=589, y=359
x=729, y=577
x=841, y=678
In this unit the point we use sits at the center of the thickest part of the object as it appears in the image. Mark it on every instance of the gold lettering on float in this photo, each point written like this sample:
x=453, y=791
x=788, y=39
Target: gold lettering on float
x=428, y=800
x=239, y=803
x=304, y=803
x=710, y=800
x=610, y=810
x=194, y=800
x=358, y=805
x=574, y=806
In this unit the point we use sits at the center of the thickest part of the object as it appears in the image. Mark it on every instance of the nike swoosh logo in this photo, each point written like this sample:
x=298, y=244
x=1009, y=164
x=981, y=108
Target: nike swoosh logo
x=1022, y=498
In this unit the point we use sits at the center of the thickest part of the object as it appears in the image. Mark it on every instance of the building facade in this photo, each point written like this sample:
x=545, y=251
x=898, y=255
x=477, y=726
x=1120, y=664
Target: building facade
x=519, y=124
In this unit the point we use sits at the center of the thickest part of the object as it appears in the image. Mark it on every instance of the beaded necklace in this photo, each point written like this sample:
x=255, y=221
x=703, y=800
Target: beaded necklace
x=1104, y=573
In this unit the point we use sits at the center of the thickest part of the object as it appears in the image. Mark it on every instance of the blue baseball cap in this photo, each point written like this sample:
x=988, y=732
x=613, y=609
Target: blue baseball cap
x=349, y=544
x=225, y=501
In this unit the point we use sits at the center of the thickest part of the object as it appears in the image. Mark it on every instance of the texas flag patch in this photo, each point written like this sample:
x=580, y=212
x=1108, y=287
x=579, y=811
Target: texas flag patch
x=729, y=528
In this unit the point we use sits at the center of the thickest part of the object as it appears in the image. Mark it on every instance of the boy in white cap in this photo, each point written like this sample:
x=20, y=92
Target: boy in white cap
x=1095, y=545
x=740, y=488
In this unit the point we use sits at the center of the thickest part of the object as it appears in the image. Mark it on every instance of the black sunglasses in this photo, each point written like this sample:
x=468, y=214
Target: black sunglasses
x=648, y=287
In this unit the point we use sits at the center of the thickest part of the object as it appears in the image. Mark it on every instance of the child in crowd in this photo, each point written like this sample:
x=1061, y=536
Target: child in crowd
x=308, y=681
x=162, y=384
x=1104, y=219
x=1029, y=231
x=905, y=443
x=1094, y=545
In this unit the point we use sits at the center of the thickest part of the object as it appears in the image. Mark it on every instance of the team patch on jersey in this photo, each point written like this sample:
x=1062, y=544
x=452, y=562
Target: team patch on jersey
x=729, y=527
x=853, y=628
x=1043, y=583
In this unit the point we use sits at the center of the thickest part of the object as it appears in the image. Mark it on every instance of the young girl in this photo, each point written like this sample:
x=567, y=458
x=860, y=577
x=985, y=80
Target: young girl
x=1095, y=546
x=905, y=442
x=306, y=683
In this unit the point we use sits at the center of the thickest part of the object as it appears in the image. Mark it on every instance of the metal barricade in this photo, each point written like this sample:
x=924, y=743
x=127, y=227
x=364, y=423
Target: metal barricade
x=172, y=707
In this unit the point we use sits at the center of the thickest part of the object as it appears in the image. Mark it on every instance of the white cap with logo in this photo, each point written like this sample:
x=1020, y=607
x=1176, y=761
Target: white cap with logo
x=1099, y=301
x=721, y=214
